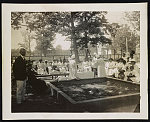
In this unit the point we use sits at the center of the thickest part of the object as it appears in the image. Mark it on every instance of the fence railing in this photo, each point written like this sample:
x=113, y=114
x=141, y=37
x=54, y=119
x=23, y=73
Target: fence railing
x=53, y=57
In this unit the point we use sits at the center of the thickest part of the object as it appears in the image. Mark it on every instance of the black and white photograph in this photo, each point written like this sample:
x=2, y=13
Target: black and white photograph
x=75, y=59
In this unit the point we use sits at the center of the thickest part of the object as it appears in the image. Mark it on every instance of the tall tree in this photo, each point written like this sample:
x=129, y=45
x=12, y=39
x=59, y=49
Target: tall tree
x=90, y=30
x=40, y=23
x=133, y=17
x=81, y=27
x=125, y=35
x=84, y=28
x=43, y=39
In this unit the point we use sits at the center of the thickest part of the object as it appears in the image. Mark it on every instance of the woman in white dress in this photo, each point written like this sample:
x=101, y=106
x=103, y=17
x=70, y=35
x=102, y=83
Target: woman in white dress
x=72, y=68
x=101, y=67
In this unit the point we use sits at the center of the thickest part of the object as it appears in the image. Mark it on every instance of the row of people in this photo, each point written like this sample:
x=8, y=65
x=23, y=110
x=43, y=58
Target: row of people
x=123, y=69
x=45, y=67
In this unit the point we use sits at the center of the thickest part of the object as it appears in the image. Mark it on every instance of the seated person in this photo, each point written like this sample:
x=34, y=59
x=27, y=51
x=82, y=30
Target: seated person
x=136, y=71
x=131, y=73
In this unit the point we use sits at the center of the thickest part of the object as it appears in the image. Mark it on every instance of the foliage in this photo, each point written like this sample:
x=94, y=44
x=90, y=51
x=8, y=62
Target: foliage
x=124, y=33
x=84, y=28
x=40, y=24
x=81, y=28
x=134, y=19
x=17, y=19
x=90, y=29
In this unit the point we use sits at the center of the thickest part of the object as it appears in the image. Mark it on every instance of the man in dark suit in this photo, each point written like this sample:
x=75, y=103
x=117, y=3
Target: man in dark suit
x=20, y=74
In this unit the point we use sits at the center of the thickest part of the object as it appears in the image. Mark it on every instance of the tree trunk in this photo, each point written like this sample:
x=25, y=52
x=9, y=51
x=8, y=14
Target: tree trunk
x=73, y=38
x=86, y=40
x=86, y=54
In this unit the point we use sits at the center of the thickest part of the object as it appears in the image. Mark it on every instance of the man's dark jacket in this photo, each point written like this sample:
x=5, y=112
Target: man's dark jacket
x=19, y=69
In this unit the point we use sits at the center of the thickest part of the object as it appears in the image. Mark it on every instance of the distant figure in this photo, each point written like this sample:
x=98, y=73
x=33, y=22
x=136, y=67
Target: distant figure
x=20, y=74
x=132, y=53
x=124, y=57
x=64, y=60
x=94, y=64
x=40, y=67
x=46, y=67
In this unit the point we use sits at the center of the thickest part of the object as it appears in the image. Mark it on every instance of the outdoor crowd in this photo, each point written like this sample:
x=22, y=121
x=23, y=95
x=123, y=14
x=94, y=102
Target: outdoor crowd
x=125, y=68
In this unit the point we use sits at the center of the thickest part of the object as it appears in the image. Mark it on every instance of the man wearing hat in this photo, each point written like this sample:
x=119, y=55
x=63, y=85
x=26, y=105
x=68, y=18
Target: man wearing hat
x=20, y=74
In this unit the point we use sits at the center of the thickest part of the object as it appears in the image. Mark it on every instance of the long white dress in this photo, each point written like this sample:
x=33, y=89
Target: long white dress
x=101, y=68
x=72, y=69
